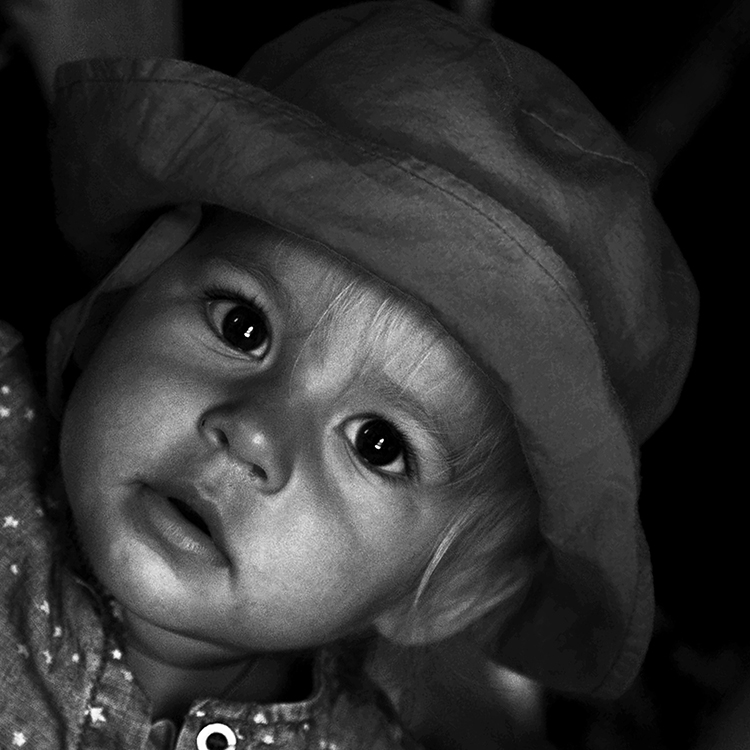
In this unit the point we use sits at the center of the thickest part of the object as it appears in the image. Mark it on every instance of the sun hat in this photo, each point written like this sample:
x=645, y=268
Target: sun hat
x=470, y=173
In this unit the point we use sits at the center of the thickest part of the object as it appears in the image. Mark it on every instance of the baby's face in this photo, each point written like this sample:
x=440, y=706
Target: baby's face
x=254, y=465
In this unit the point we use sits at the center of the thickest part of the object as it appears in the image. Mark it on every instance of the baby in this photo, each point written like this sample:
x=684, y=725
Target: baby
x=387, y=384
x=265, y=451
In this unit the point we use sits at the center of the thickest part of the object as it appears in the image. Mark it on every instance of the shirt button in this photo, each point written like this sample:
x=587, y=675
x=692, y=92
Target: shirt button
x=216, y=737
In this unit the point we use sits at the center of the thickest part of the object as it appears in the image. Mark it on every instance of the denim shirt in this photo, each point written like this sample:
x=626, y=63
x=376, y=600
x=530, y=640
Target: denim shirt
x=63, y=679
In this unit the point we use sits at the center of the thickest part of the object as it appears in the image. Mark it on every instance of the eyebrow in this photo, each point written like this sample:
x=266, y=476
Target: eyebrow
x=236, y=263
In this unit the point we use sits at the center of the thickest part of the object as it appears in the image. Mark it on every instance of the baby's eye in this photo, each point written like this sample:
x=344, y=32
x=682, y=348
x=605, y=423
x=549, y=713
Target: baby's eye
x=242, y=325
x=379, y=444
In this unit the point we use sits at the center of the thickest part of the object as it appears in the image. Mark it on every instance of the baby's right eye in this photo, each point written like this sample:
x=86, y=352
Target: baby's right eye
x=242, y=325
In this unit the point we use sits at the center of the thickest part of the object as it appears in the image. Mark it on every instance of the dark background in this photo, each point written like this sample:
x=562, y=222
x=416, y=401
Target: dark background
x=674, y=81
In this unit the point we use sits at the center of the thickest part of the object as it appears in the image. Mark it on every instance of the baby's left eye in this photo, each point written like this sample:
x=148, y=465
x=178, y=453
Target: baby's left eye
x=379, y=444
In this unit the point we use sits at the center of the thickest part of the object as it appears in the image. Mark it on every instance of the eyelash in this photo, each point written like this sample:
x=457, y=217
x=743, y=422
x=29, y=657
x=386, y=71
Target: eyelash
x=225, y=294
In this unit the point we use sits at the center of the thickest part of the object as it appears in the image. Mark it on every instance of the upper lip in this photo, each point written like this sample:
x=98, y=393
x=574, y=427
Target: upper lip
x=200, y=502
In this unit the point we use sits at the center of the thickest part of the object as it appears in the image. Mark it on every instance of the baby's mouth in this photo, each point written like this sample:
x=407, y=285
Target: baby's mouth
x=190, y=515
x=188, y=518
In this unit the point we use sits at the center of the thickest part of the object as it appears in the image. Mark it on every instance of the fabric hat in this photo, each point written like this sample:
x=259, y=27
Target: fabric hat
x=470, y=173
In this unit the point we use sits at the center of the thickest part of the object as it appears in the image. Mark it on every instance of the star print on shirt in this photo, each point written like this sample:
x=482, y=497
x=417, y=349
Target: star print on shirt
x=19, y=739
x=96, y=714
x=4, y=412
x=10, y=522
x=267, y=738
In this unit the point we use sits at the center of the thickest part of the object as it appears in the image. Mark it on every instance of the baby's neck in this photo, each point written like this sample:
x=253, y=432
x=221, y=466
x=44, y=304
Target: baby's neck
x=172, y=689
x=174, y=671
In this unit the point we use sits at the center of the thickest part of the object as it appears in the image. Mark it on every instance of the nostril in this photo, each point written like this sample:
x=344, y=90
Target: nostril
x=258, y=472
x=217, y=436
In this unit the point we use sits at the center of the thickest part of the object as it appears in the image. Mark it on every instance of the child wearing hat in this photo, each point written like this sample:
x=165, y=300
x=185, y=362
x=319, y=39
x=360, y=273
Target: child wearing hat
x=375, y=330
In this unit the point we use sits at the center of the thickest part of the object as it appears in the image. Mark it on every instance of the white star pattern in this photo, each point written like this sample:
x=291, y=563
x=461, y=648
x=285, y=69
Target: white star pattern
x=75, y=658
x=97, y=714
x=5, y=390
x=10, y=522
x=22, y=650
x=47, y=657
x=14, y=569
x=57, y=632
x=19, y=739
x=4, y=412
x=29, y=414
x=116, y=654
x=44, y=607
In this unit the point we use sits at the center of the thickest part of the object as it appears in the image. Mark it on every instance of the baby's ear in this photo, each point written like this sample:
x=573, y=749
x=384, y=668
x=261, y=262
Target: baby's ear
x=407, y=624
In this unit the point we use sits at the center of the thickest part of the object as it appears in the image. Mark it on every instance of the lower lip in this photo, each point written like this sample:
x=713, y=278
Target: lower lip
x=156, y=515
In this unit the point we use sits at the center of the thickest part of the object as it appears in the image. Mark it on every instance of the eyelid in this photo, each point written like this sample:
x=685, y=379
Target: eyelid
x=229, y=294
x=230, y=274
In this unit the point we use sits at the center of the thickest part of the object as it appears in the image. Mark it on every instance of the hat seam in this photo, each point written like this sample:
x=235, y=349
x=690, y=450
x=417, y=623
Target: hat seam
x=590, y=151
x=494, y=40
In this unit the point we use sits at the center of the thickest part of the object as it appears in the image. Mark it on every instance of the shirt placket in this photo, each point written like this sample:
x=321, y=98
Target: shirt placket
x=211, y=725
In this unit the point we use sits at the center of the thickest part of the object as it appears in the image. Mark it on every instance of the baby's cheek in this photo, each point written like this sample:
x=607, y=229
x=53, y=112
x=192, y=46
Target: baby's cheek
x=289, y=549
x=311, y=564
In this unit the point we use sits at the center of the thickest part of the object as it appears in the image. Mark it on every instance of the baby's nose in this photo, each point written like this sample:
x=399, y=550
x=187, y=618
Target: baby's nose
x=261, y=440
